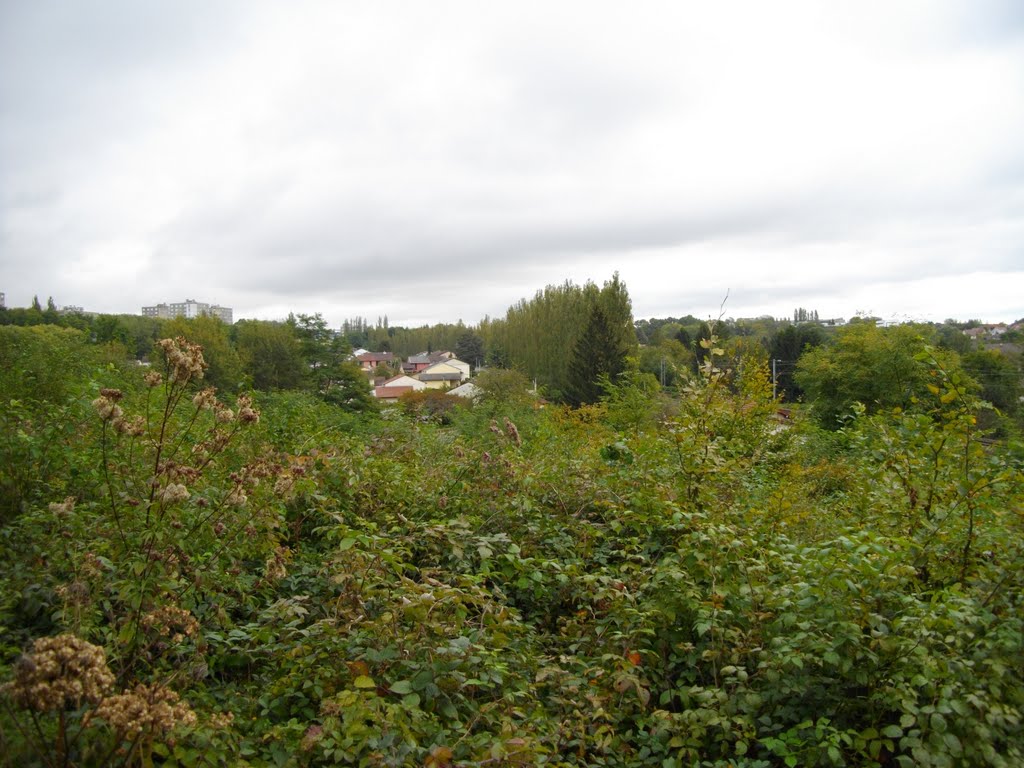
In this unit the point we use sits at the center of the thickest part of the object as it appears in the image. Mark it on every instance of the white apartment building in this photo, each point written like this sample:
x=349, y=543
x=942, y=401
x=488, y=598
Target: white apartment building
x=189, y=308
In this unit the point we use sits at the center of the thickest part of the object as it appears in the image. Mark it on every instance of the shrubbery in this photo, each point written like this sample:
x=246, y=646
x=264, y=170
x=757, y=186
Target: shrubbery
x=273, y=581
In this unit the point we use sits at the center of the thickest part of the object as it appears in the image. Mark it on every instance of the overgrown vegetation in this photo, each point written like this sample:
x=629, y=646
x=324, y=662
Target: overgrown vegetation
x=269, y=579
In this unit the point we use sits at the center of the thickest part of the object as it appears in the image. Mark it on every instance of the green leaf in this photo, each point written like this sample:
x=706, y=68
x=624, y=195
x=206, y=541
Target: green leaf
x=364, y=681
x=955, y=747
x=892, y=731
x=401, y=687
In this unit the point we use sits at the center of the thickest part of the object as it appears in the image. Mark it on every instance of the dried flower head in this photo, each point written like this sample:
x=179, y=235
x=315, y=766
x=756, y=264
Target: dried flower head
x=171, y=621
x=111, y=394
x=107, y=408
x=311, y=737
x=184, y=359
x=236, y=498
x=512, y=431
x=205, y=398
x=284, y=484
x=91, y=566
x=59, y=672
x=153, y=379
x=153, y=708
x=173, y=492
x=75, y=593
x=220, y=720
x=246, y=413
x=274, y=568
x=135, y=427
x=63, y=507
x=224, y=414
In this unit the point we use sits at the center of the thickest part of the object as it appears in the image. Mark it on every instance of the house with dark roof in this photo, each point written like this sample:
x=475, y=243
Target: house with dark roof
x=444, y=375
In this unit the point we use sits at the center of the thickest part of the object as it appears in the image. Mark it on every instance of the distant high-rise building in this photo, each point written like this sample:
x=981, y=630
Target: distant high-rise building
x=189, y=308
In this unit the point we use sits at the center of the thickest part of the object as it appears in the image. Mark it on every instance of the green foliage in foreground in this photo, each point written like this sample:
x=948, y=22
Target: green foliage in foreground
x=639, y=582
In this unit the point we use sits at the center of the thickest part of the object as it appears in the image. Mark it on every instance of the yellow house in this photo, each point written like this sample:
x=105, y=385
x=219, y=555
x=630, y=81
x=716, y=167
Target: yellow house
x=442, y=376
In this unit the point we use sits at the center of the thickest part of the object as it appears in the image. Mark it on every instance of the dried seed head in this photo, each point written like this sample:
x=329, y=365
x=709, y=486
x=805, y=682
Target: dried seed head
x=246, y=413
x=170, y=620
x=59, y=672
x=275, y=568
x=107, y=408
x=149, y=708
x=205, y=398
x=174, y=492
x=184, y=359
x=236, y=498
x=512, y=431
x=63, y=507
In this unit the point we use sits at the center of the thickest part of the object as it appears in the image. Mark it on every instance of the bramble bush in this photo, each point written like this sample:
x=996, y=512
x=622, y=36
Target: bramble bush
x=638, y=582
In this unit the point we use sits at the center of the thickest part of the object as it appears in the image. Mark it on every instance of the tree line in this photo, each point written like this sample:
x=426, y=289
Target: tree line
x=568, y=338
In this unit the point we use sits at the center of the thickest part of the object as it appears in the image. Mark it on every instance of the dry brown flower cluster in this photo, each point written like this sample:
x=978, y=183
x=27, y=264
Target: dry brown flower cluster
x=214, y=443
x=275, y=567
x=284, y=484
x=92, y=567
x=246, y=413
x=184, y=359
x=172, y=621
x=173, y=492
x=311, y=737
x=220, y=720
x=205, y=398
x=136, y=426
x=236, y=498
x=59, y=672
x=106, y=408
x=63, y=507
x=512, y=431
x=74, y=593
x=153, y=379
x=174, y=470
x=153, y=708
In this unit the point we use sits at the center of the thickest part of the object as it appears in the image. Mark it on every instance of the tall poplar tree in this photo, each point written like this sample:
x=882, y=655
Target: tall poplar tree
x=605, y=342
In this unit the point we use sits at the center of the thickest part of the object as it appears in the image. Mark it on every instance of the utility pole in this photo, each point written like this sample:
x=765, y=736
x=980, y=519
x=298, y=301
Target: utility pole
x=775, y=379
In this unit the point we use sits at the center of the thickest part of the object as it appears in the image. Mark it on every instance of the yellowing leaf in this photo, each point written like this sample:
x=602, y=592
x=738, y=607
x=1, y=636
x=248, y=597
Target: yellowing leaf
x=363, y=681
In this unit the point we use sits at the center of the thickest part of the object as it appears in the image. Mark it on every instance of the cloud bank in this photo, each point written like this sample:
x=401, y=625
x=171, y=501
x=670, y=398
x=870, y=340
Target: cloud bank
x=435, y=162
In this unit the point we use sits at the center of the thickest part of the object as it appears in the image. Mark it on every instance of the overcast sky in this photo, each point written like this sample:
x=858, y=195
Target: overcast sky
x=435, y=161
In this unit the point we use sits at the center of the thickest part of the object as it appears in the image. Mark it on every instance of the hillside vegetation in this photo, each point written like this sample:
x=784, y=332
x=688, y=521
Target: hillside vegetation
x=268, y=579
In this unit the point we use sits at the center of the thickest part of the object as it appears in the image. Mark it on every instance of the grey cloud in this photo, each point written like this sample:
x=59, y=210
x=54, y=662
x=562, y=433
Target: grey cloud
x=530, y=149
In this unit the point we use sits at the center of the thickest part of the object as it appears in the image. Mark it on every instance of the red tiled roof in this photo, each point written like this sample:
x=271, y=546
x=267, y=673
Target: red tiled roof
x=389, y=392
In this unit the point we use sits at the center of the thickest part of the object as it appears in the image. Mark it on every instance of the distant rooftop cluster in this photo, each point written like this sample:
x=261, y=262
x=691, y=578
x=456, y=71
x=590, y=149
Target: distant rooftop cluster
x=189, y=308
